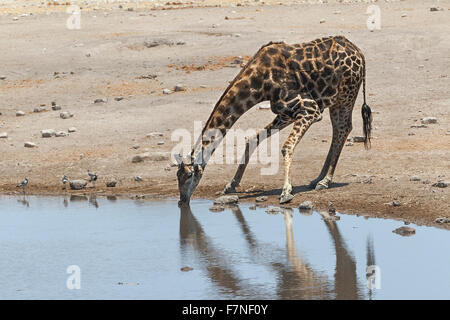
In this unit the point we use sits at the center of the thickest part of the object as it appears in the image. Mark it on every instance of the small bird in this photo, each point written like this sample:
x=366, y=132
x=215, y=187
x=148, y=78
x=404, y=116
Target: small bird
x=92, y=176
x=23, y=184
x=64, y=180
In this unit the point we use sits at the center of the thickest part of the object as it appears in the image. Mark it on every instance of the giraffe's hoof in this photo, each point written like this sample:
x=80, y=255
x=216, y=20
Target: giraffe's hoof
x=229, y=189
x=321, y=186
x=285, y=198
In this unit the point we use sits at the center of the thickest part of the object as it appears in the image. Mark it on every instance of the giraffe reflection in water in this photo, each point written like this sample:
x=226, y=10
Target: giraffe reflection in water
x=295, y=277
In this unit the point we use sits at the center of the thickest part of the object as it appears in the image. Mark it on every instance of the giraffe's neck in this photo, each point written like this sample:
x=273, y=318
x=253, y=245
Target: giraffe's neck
x=236, y=100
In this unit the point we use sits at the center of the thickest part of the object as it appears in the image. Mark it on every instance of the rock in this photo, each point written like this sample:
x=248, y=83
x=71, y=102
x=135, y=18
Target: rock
x=442, y=220
x=441, y=184
x=434, y=9
x=29, y=145
x=167, y=91
x=111, y=184
x=404, y=15
x=414, y=178
x=349, y=144
x=61, y=134
x=217, y=208
x=358, y=139
x=72, y=129
x=155, y=156
x=396, y=203
x=2, y=77
x=39, y=109
x=154, y=134
x=261, y=199
x=136, y=146
x=160, y=143
x=65, y=115
x=138, y=179
x=56, y=108
x=3, y=135
x=101, y=100
x=273, y=210
x=405, y=231
x=322, y=21
x=186, y=269
x=78, y=184
x=47, y=133
x=306, y=205
x=428, y=120
x=232, y=199
x=179, y=88
x=20, y=113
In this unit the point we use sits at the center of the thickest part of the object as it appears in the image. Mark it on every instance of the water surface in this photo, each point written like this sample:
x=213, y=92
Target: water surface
x=128, y=249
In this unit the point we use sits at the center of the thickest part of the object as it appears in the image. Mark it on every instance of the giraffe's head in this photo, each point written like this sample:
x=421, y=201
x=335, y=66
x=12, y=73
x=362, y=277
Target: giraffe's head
x=189, y=175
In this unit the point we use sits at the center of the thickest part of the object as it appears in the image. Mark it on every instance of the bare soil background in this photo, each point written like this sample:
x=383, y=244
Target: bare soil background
x=408, y=70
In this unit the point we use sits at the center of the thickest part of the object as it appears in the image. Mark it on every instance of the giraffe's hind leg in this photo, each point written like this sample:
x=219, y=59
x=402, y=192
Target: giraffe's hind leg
x=308, y=113
x=252, y=143
x=341, y=119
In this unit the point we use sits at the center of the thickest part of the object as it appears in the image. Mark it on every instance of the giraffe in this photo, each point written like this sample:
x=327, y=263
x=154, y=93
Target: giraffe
x=300, y=81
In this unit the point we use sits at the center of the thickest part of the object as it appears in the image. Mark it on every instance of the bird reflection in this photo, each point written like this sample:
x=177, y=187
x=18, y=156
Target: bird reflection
x=24, y=201
x=295, y=278
x=93, y=200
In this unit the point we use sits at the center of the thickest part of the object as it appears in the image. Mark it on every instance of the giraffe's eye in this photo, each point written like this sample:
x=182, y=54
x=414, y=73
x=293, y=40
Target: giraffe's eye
x=189, y=174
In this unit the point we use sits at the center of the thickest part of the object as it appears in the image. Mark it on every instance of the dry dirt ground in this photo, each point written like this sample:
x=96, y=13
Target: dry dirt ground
x=408, y=71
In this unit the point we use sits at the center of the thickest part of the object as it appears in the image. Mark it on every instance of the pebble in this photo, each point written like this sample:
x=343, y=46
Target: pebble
x=306, y=205
x=405, y=231
x=40, y=109
x=404, y=15
x=2, y=77
x=136, y=146
x=167, y=91
x=47, y=133
x=179, y=88
x=396, y=203
x=322, y=21
x=433, y=9
x=414, y=178
x=29, y=145
x=138, y=179
x=111, y=184
x=428, y=120
x=154, y=134
x=441, y=184
x=261, y=199
x=20, y=113
x=65, y=115
x=78, y=184
x=3, y=135
x=186, y=269
x=160, y=143
x=349, y=144
x=442, y=220
x=61, y=134
x=56, y=108
x=118, y=98
x=358, y=139
x=232, y=199
x=101, y=100
x=72, y=129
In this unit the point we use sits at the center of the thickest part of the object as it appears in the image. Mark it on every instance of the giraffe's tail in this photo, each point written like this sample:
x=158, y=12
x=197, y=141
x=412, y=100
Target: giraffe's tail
x=366, y=113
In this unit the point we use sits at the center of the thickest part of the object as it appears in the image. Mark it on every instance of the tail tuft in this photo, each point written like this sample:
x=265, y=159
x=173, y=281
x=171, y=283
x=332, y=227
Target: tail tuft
x=366, y=113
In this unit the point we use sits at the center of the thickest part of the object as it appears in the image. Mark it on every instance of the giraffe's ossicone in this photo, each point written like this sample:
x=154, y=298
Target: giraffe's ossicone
x=300, y=81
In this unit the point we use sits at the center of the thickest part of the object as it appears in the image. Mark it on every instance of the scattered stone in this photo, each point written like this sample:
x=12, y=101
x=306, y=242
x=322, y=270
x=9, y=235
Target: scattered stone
x=154, y=134
x=111, y=184
x=404, y=15
x=72, y=129
x=179, y=88
x=273, y=210
x=160, y=143
x=47, y=133
x=441, y=184
x=56, y=108
x=232, y=199
x=217, y=208
x=3, y=135
x=358, y=139
x=2, y=77
x=78, y=184
x=138, y=179
x=65, y=115
x=349, y=144
x=29, y=145
x=405, y=231
x=442, y=220
x=428, y=120
x=186, y=269
x=136, y=146
x=414, y=178
x=261, y=199
x=61, y=134
x=118, y=98
x=396, y=203
x=167, y=91
x=20, y=113
x=434, y=9
x=101, y=100
x=322, y=21
x=418, y=126
x=39, y=109
x=306, y=205
x=155, y=156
